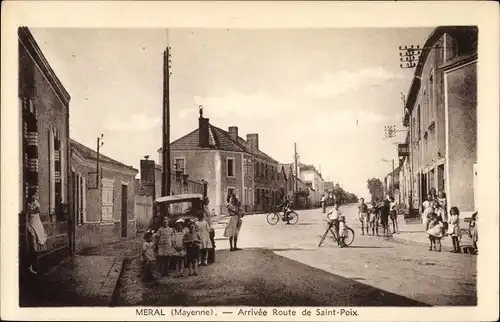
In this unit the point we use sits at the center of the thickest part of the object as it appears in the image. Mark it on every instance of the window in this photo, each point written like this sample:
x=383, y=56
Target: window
x=180, y=163
x=230, y=167
x=107, y=201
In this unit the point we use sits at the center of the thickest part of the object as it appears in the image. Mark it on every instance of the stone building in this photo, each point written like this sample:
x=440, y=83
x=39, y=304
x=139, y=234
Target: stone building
x=44, y=107
x=441, y=115
x=228, y=163
x=104, y=206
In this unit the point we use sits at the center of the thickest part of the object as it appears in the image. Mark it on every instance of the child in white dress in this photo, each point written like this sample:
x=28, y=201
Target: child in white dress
x=164, y=237
x=203, y=228
x=454, y=228
x=342, y=231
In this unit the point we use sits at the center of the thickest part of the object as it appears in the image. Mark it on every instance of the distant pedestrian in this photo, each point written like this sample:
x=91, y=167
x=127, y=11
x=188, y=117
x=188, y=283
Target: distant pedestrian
x=203, y=228
x=180, y=251
x=165, y=248
x=192, y=241
x=393, y=215
x=454, y=228
x=435, y=232
x=323, y=203
x=363, y=216
x=148, y=256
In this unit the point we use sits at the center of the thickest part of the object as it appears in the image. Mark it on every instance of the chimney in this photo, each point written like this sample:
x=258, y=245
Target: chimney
x=253, y=141
x=148, y=176
x=203, y=129
x=233, y=133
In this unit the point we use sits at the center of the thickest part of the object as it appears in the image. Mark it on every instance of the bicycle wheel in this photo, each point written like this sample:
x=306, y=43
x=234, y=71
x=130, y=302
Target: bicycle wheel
x=350, y=237
x=323, y=238
x=293, y=218
x=273, y=218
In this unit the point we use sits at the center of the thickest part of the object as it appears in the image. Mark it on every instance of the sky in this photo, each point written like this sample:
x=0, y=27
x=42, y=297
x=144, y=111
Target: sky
x=330, y=91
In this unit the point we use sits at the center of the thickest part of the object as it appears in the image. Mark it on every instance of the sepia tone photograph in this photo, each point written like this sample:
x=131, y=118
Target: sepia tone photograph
x=248, y=167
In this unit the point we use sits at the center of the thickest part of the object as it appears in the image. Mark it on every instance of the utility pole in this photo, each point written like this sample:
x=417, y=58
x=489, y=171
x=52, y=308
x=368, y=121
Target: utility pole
x=166, y=176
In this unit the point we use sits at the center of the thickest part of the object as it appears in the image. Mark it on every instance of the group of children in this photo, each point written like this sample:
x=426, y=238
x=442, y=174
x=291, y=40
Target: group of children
x=379, y=213
x=438, y=227
x=185, y=244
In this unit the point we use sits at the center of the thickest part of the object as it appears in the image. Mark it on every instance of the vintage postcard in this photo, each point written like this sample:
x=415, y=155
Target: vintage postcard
x=186, y=161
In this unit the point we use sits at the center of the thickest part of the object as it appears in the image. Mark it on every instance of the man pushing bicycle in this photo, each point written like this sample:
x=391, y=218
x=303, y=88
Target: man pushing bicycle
x=333, y=218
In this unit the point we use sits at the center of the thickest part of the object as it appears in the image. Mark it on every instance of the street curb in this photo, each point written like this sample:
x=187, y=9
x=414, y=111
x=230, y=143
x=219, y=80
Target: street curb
x=400, y=240
x=109, y=287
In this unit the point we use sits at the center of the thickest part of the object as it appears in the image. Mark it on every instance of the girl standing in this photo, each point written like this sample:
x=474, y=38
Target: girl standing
x=203, y=229
x=36, y=234
x=234, y=225
x=165, y=236
x=435, y=232
x=454, y=228
x=179, y=250
x=192, y=241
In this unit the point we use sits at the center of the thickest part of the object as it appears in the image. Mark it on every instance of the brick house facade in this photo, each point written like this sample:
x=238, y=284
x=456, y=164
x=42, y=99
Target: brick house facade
x=228, y=163
x=44, y=106
x=440, y=114
x=104, y=209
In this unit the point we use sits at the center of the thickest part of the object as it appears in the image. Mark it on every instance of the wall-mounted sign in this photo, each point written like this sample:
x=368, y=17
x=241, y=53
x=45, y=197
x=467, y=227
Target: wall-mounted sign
x=403, y=150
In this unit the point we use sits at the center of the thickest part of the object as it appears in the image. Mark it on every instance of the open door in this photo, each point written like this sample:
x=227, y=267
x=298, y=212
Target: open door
x=124, y=211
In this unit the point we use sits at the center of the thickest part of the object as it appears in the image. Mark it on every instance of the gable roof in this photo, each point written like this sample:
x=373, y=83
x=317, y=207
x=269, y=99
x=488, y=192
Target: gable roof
x=219, y=139
x=88, y=153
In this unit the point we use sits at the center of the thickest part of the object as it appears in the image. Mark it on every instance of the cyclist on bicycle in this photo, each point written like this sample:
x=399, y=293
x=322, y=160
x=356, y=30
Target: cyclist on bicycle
x=333, y=218
x=287, y=208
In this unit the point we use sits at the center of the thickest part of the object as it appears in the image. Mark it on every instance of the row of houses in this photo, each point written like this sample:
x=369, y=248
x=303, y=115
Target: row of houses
x=79, y=207
x=227, y=163
x=440, y=149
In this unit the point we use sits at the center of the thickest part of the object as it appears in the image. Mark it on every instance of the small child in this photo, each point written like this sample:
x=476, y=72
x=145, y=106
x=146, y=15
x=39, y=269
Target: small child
x=435, y=232
x=165, y=236
x=148, y=255
x=192, y=241
x=179, y=250
x=342, y=232
x=454, y=228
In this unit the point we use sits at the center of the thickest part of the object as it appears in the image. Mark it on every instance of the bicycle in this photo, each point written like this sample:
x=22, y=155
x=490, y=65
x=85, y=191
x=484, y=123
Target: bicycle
x=347, y=241
x=274, y=217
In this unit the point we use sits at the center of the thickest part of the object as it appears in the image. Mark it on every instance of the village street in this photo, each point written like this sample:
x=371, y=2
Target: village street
x=282, y=265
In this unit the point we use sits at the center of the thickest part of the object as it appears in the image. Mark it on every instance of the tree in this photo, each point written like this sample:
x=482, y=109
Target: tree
x=376, y=188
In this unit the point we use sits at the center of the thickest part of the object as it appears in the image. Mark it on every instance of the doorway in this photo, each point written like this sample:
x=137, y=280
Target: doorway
x=124, y=218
